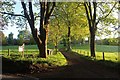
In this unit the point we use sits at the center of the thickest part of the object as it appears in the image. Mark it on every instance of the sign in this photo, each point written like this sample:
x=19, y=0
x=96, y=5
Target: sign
x=21, y=48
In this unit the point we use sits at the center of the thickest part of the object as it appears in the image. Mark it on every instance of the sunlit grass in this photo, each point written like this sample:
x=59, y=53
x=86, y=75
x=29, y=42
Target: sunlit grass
x=30, y=54
x=99, y=48
x=55, y=59
x=111, y=56
x=111, y=52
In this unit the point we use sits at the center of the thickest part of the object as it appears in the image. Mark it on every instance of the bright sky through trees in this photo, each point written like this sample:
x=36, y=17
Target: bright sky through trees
x=18, y=10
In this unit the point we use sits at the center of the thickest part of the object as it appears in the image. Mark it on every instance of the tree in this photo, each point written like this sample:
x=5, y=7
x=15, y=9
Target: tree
x=56, y=32
x=72, y=19
x=32, y=41
x=24, y=36
x=21, y=37
x=7, y=6
x=1, y=36
x=10, y=39
x=94, y=19
x=3, y=39
x=41, y=35
x=46, y=9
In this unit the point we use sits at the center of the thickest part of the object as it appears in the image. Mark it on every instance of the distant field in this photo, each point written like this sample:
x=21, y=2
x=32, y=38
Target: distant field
x=99, y=48
x=30, y=47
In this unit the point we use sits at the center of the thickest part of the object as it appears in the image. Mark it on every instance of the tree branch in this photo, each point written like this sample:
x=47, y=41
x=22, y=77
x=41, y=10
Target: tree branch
x=87, y=13
x=47, y=12
x=94, y=15
x=51, y=9
x=42, y=14
x=25, y=10
x=27, y=16
x=90, y=10
x=101, y=9
x=106, y=14
x=57, y=14
x=31, y=11
x=12, y=14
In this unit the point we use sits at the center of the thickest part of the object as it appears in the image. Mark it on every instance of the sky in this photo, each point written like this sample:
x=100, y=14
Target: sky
x=14, y=30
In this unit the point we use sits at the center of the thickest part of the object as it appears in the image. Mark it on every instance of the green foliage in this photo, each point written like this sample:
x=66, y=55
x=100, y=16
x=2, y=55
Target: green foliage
x=56, y=32
x=6, y=6
x=109, y=41
x=10, y=39
x=72, y=15
x=113, y=41
x=68, y=15
x=32, y=41
x=106, y=13
x=3, y=40
x=105, y=42
x=24, y=36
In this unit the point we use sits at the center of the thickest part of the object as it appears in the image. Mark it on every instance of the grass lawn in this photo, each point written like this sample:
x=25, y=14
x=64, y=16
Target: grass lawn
x=110, y=52
x=31, y=53
x=99, y=48
x=55, y=59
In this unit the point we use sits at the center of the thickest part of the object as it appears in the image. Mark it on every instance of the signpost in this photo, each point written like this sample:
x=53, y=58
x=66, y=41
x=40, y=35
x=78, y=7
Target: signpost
x=21, y=49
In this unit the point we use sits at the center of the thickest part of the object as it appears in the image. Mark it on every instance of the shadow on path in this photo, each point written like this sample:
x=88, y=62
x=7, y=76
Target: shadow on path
x=78, y=67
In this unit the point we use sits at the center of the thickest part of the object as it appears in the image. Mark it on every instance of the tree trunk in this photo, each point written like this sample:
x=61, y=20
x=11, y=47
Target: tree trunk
x=45, y=13
x=92, y=43
x=44, y=38
x=56, y=45
x=41, y=44
x=68, y=47
x=43, y=50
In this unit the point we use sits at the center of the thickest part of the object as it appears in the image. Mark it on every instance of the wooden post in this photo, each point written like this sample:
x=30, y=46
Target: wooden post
x=8, y=52
x=84, y=53
x=88, y=53
x=103, y=56
x=48, y=52
x=23, y=54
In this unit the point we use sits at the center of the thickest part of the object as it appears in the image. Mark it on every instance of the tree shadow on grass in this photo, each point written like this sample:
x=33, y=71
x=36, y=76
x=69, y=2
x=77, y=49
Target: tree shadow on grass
x=10, y=66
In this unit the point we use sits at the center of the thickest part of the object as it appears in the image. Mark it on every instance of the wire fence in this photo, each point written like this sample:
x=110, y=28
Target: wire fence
x=112, y=56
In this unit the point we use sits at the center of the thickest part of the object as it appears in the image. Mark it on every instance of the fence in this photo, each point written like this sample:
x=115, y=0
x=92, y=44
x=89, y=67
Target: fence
x=26, y=52
x=99, y=55
x=16, y=52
